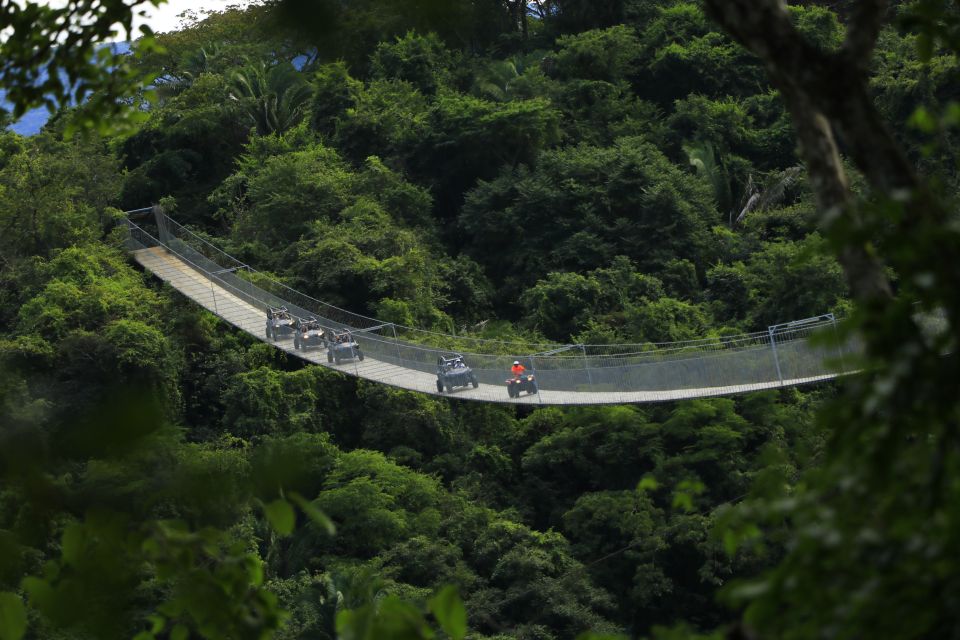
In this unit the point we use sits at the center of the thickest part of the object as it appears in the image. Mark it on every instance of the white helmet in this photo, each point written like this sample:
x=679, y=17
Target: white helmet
x=516, y=362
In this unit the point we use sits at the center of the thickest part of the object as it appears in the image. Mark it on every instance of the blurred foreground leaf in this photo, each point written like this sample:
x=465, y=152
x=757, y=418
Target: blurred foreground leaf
x=449, y=611
x=281, y=516
x=13, y=617
x=315, y=514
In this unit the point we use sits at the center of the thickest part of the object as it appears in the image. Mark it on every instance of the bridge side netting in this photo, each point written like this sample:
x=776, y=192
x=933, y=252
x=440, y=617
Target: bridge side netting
x=782, y=354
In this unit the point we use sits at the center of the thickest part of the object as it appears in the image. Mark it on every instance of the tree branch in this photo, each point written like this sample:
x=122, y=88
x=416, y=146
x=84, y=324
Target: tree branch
x=863, y=28
x=815, y=87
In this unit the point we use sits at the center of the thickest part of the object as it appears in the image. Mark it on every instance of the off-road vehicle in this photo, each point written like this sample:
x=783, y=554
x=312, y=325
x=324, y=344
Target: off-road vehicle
x=309, y=334
x=454, y=372
x=280, y=323
x=343, y=347
x=518, y=384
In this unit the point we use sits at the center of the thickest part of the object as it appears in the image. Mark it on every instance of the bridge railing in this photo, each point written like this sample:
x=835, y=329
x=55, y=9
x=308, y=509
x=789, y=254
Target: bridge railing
x=784, y=353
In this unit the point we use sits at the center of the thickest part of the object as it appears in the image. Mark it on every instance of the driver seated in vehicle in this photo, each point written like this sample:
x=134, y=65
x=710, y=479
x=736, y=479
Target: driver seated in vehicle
x=517, y=369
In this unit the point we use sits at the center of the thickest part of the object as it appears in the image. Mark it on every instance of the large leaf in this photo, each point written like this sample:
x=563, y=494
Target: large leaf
x=448, y=609
x=314, y=513
x=13, y=617
x=281, y=516
x=72, y=543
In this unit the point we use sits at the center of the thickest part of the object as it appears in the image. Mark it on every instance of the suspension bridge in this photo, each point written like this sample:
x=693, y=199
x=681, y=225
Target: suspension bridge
x=405, y=357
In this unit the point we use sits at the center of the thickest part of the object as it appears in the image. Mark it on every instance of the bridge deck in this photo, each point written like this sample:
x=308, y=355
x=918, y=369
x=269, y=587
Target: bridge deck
x=249, y=318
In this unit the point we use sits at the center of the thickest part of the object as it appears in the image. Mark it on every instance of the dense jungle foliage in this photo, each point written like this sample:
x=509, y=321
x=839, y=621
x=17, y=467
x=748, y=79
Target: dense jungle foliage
x=575, y=172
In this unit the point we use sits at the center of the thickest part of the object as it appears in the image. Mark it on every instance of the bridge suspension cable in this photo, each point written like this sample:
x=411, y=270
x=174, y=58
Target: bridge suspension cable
x=407, y=357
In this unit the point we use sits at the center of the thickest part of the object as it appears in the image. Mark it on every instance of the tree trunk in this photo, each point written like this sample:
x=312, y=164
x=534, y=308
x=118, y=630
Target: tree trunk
x=826, y=94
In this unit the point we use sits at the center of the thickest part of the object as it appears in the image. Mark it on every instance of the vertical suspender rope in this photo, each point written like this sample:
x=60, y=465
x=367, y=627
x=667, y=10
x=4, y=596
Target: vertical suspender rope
x=776, y=358
x=836, y=336
x=536, y=379
x=213, y=294
x=396, y=342
x=586, y=365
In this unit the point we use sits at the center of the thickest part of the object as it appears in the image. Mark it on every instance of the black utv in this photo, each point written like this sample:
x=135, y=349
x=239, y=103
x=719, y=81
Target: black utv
x=343, y=347
x=309, y=334
x=280, y=324
x=454, y=372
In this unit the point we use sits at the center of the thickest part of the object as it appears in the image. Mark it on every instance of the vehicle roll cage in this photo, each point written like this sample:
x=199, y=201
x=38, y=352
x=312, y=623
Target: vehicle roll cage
x=279, y=313
x=309, y=324
x=452, y=362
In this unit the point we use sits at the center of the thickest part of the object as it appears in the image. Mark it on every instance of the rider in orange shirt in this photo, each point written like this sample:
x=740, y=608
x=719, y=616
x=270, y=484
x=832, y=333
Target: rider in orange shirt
x=517, y=369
